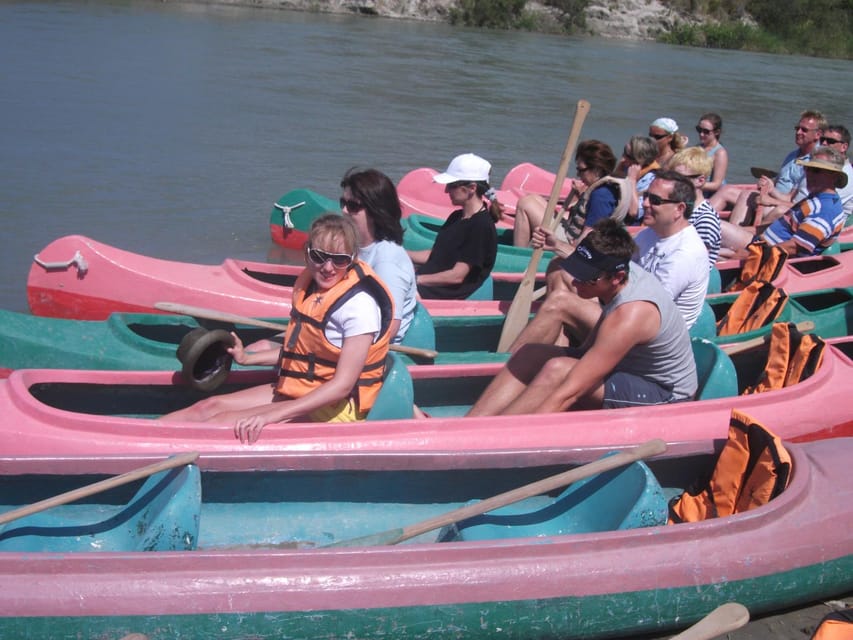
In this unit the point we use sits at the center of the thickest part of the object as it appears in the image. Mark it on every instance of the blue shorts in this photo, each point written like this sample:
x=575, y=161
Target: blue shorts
x=623, y=390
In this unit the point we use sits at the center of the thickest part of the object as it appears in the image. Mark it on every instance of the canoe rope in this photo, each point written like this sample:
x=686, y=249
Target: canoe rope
x=287, y=223
x=78, y=260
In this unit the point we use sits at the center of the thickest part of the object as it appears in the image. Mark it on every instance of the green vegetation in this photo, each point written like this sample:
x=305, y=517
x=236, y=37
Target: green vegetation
x=809, y=27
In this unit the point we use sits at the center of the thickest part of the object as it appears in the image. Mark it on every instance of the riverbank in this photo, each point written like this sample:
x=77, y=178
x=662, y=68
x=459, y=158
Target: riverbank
x=627, y=19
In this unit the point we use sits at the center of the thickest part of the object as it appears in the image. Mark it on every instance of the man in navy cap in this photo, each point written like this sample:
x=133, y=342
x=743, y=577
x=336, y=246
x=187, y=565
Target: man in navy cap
x=636, y=350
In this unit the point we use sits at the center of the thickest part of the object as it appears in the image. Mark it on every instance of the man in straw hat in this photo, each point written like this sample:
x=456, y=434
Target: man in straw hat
x=810, y=225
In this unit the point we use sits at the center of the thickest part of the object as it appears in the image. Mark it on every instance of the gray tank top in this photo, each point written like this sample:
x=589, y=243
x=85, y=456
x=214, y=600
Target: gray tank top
x=667, y=359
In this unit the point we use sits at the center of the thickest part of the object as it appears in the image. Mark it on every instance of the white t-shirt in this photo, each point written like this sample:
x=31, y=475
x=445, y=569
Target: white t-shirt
x=394, y=267
x=680, y=263
x=358, y=315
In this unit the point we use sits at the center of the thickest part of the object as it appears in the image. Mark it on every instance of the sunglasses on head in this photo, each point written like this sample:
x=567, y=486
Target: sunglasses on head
x=825, y=140
x=659, y=136
x=655, y=200
x=351, y=205
x=704, y=132
x=319, y=258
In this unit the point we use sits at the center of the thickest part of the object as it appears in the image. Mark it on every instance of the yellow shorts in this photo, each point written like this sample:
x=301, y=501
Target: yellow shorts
x=343, y=411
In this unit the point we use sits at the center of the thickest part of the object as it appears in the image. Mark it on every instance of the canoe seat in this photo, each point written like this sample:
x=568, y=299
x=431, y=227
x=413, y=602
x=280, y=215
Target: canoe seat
x=625, y=498
x=421, y=331
x=397, y=396
x=706, y=324
x=715, y=281
x=162, y=516
x=485, y=291
x=715, y=371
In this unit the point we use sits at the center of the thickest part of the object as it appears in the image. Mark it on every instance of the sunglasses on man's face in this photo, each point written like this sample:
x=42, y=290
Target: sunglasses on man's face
x=351, y=205
x=655, y=200
x=824, y=140
x=319, y=258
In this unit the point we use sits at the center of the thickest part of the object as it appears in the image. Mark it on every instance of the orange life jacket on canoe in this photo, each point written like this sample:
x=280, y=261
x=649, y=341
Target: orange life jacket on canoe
x=752, y=469
x=837, y=625
x=758, y=304
x=764, y=262
x=308, y=359
x=792, y=357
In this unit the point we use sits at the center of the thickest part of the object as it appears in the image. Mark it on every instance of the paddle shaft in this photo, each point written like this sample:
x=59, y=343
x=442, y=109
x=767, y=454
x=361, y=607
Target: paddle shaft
x=222, y=316
x=519, y=311
x=98, y=487
x=723, y=619
x=746, y=345
x=393, y=536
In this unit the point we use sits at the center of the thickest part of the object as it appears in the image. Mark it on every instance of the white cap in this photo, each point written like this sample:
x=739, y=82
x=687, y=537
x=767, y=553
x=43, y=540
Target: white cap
x=467, y=167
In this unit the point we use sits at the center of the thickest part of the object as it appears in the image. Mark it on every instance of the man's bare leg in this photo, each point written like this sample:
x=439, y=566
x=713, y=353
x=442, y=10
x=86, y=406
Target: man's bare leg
x=513, y=378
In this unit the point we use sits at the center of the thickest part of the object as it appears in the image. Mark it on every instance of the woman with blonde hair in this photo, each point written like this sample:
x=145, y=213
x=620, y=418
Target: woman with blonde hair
x=332, y=359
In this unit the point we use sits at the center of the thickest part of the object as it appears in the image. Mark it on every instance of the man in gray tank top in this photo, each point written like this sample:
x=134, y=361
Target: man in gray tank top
x=636, y=353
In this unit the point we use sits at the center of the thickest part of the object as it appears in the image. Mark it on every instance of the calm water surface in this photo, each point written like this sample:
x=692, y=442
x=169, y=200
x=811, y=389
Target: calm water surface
x=169, y=130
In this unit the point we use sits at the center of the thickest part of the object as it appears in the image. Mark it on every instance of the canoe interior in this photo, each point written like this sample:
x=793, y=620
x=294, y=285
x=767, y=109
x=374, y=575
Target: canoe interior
x=437, y=396
x=279, y=279
x=299, y=509
x=148, y=328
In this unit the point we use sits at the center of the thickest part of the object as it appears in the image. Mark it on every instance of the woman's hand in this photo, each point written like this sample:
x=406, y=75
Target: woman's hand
x=633, y=171
x=248, y=430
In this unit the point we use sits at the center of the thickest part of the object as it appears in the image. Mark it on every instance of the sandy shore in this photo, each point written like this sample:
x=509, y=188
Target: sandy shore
x=797, y=624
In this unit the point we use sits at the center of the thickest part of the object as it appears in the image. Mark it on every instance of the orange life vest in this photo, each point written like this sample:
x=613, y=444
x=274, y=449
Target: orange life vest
x=308, y=359
x=764, y=262
x=757, y=305
x=752, y=469
x=837, y=625
x=791, y=358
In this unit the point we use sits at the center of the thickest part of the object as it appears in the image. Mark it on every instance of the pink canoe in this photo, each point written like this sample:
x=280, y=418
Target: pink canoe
x=77, y=277
x=80, y=278
x=50, y=415
x=603, y=584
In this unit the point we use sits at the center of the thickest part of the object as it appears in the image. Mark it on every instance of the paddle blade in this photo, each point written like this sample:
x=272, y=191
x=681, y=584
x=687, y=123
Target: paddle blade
x=723, y=619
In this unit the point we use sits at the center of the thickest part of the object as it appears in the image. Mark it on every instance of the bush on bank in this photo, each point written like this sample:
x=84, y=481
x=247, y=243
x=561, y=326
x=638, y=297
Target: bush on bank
x=809, y=27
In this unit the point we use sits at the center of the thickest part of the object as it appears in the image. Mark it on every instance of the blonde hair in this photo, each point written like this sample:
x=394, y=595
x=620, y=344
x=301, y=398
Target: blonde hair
x=694, y=158
x=335, y=227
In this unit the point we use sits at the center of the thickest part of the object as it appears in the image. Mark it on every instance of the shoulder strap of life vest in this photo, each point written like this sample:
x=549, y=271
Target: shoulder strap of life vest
x=752, y=469
x=577, y=219
x=764, y=262
x=791, y=358
x=757, y=305
x=836, y=625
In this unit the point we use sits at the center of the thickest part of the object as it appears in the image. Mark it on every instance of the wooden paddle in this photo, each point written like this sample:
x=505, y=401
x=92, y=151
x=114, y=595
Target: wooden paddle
x=519, y=311
x=98, y=487
x=393, y=536
x=725, y=618
x=746, y=345
x=222, y=316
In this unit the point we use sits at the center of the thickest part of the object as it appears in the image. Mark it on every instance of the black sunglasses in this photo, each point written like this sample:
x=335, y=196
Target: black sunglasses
x=825, y=140
x=659, y=136
x=701, y=130
x=458, y=183
x=655, y=200
x=351, y=205
x=319, y=258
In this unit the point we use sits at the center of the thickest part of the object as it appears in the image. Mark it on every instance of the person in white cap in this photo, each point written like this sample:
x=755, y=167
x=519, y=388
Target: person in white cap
x=464, y=251
x=669, y=140
x=811, y=225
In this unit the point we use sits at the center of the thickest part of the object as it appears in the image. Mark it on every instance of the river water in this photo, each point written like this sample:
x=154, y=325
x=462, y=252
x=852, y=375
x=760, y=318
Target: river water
x=170, y=129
